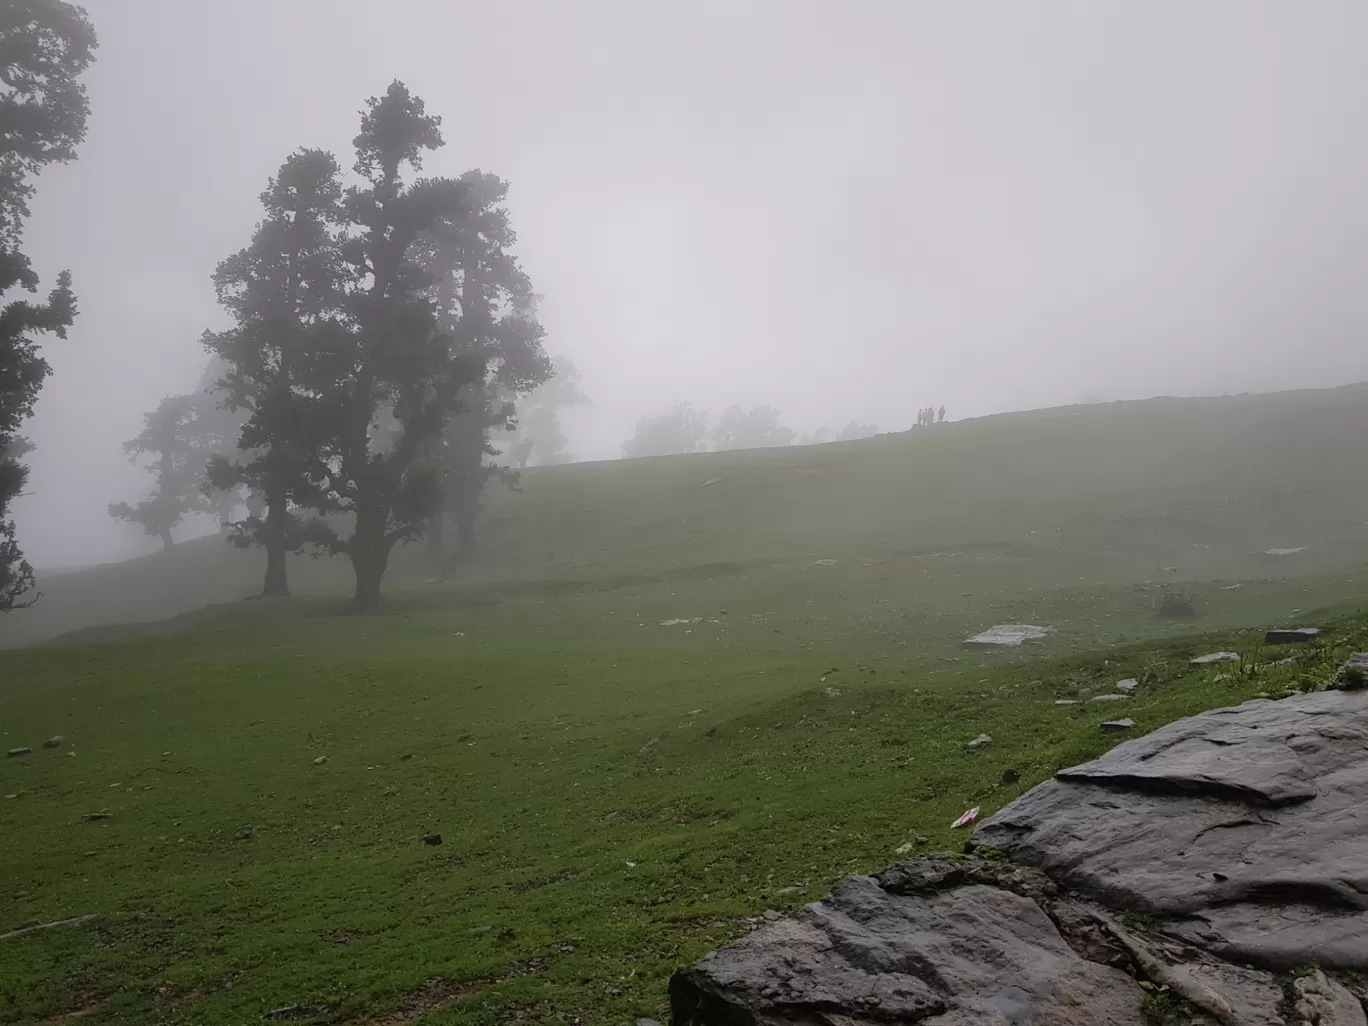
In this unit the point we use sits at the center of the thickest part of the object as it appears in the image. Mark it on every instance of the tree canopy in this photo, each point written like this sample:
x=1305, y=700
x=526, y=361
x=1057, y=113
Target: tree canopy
x=45, y=47
x=757, y=429
x=682, y=430
x=536, y=436
x=285, y=293
x=180, y=436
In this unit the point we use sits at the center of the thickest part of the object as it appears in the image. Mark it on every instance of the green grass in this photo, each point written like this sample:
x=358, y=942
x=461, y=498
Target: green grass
x=616, y=796
x=614, y=799
x=1023, y=501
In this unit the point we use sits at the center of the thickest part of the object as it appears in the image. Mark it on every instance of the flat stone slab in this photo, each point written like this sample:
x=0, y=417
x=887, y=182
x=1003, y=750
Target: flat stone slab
x=916, y=944
x=1241, y=833
x=1007, y=635
x=1249, y=824
x=1292, y=636
x=1216, y=657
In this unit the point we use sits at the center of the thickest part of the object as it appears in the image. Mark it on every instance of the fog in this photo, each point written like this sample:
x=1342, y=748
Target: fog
x=847, y=211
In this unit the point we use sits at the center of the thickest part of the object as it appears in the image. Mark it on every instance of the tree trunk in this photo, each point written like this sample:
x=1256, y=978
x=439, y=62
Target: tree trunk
x=277, y=582
x=168, y=543
x=436, y=530
x=369, y=556
x=277, y=524
x=465, y=525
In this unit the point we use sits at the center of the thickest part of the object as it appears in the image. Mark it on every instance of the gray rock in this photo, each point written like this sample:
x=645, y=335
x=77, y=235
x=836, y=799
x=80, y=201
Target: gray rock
x=1118, y=726
x=1243, y=826
x=1109, y=697
x=56, y=741
x=1007, y=635
x=646, y=1022
x=1127, y=686
x=968, y=953
x=1292, y=636
x=980, y=741
x=1066, y=701
x=15, y=752
x=322, y=760
x=1240, y=832
x=1216, y=657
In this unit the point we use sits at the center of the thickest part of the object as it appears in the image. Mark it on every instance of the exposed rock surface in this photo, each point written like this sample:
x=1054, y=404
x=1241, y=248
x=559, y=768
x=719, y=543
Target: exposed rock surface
x=1239, y=836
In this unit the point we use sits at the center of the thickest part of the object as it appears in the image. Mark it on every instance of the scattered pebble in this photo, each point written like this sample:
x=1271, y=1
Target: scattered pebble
x=981, y=740
x=782, y=891
x=905, y=849
x=1109, y=698
x=483, y=929
x=56, y=741
x=97, y=815
x=1128, y=685
x=1066, y=701
x=321, y=760
x=1117, y=726
x=771, y=916
x=13, y=752
x=433, y=840
x=824, y=562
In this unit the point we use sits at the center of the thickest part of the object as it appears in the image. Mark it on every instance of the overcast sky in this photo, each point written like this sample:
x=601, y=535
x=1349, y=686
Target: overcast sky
x=843, y=209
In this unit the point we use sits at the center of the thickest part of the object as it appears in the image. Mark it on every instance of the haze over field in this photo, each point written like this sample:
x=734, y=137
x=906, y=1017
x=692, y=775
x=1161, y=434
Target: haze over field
x=846, y=212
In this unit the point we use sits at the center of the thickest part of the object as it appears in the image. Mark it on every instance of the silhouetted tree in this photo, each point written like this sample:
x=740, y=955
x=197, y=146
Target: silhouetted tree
x=855, y=430
x=486, y=306
x=536, y=436
x=681, y=430
x=392, y=359
x=285, y=294
x=179, y=440
x=816, y=438
x=758, y=429
x=45, y=46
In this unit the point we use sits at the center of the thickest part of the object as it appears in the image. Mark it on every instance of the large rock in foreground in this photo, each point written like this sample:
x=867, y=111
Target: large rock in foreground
x=1241, y=834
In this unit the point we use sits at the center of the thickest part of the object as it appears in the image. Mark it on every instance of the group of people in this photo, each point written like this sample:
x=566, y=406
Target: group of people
x=929, y=416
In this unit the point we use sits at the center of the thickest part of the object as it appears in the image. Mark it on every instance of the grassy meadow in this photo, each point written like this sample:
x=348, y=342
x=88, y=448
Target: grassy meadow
x=617, y=793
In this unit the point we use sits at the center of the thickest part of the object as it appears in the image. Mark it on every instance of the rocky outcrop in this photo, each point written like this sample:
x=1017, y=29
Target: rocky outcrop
x=1216, y=869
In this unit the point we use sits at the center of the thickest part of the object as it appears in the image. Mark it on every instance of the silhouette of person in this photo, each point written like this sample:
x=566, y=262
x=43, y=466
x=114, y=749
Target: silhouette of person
x=942, y=413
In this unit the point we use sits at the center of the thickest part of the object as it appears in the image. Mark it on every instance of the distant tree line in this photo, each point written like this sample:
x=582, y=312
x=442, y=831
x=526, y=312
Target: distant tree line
x=685, y=429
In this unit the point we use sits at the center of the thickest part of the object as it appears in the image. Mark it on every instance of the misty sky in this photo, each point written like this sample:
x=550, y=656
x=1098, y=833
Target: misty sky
x=845, y=210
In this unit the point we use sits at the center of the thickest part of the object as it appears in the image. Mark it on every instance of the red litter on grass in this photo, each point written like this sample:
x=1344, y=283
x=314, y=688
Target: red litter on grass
x=968, y=819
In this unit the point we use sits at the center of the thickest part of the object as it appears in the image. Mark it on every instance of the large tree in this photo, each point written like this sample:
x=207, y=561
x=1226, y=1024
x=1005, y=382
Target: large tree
x=395, y=373
x=536, y=436
x=487, y=308
x=285, y=294
x=45, y=46
x=683, y=429
x=179, y=438
x=757, y=429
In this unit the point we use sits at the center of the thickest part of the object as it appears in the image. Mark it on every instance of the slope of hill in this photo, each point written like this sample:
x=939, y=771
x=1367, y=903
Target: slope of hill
x=1114, y=492
x=670, y=695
